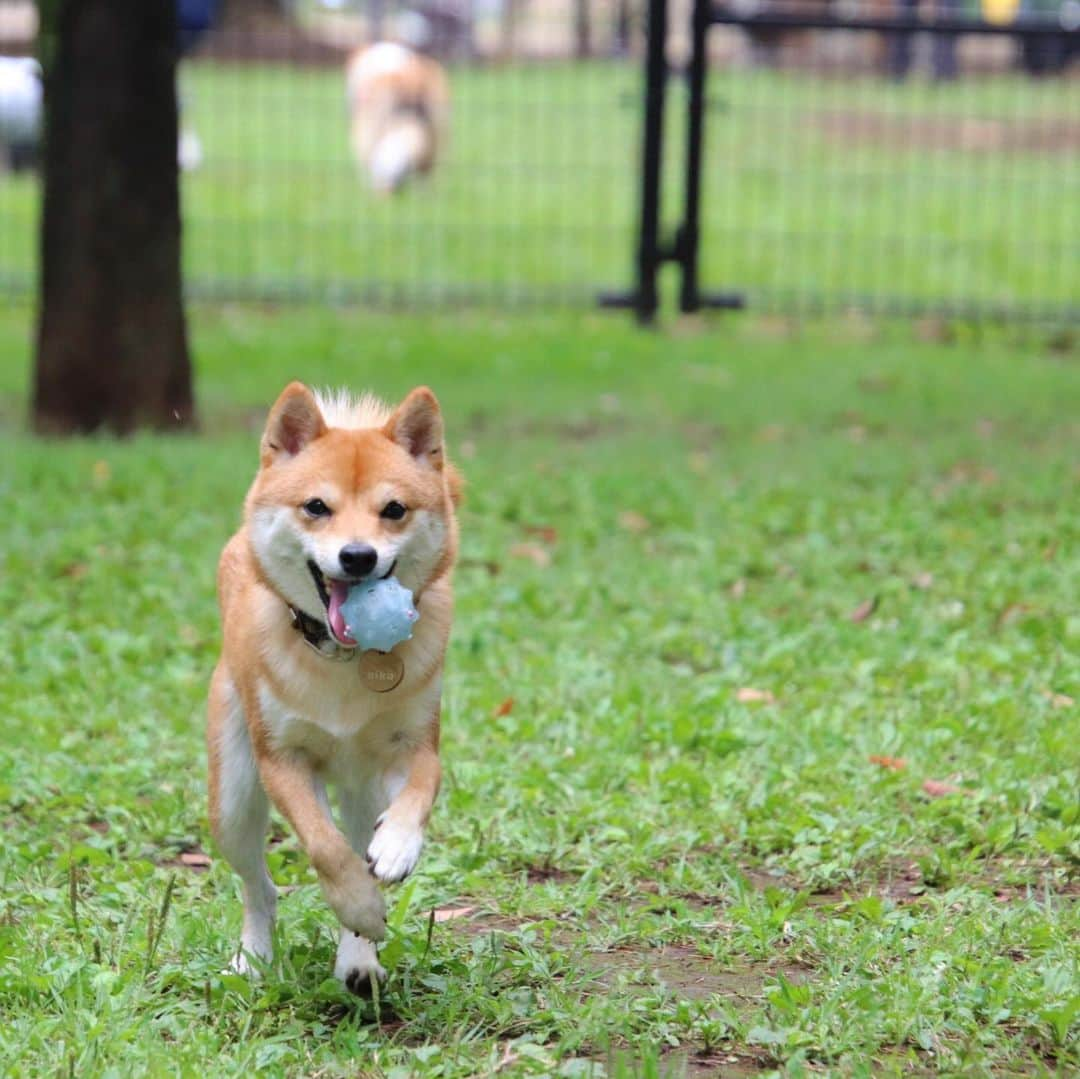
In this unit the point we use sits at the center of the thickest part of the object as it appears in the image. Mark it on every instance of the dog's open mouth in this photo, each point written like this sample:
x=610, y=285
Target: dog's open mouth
x=333, y=591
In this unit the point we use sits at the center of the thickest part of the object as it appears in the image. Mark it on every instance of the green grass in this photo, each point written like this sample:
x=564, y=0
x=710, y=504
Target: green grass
x=663, y=873
x=949, y=196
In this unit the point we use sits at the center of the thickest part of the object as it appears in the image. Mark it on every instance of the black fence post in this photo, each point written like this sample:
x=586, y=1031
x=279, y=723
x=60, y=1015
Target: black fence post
x=687, y=240
x=1041, y=35
x=649, y=255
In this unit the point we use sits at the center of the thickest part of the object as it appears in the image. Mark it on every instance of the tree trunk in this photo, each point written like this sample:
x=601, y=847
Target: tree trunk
x=112, y=341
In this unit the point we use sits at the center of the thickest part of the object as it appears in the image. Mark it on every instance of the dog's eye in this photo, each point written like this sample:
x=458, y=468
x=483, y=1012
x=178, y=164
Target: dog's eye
x=316, y=507
x=393, y=511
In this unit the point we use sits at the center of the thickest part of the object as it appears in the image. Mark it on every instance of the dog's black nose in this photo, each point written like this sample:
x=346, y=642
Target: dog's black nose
x=358, y=559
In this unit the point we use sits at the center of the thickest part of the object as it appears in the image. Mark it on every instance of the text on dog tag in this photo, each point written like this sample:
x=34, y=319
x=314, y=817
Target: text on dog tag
x=381, y=671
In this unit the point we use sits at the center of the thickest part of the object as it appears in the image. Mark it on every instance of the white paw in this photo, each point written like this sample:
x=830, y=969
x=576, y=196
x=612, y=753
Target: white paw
x=394, y=849
x=256, y=949
x=357, y=965
x=248, y=964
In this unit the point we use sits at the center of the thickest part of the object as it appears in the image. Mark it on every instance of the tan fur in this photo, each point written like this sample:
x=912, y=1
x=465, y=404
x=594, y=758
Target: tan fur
x=394, y=91
x=310, y=719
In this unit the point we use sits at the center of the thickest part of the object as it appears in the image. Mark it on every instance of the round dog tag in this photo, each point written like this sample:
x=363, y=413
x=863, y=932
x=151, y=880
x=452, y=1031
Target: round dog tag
x=381, y=671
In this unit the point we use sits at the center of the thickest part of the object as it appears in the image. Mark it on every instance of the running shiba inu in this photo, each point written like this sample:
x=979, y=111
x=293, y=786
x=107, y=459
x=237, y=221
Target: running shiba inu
x=399, y=104
x=346, y=490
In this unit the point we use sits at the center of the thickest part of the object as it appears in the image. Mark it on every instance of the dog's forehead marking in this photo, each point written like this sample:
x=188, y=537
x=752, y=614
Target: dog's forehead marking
x=359, y=467
x=353, y=461
x=359, y=462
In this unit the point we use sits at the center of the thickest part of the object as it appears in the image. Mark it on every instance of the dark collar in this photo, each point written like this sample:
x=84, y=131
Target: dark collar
x=313, y=630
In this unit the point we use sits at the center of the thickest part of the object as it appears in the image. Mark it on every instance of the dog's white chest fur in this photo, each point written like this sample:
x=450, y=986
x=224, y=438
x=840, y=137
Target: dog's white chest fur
x=347, y=739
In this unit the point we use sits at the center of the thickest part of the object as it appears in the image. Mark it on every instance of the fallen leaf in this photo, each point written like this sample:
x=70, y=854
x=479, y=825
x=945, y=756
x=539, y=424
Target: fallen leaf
x=922, y=581
x=938, y=788
x=493, y=568
x=75, y=570
x=934, y=329
x=864, y=610
x=749, y=695
x=546, y=533
x=877, y=383
x=856, y=325
x=1058, y=700
x=195, y=859
x=1062, y=341
x=1012, y=613
x=447, y=914
x=508, y=1057
x=633, y=521
x=533, y=552
x=896, y=764
x=773, y=327
x=972, y=472
x=505, y=708
x=738, y=588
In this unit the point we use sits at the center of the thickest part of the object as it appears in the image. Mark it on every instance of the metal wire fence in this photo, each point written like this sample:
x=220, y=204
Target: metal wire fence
x=899, y=163
x=884, y=173
x=893, y=172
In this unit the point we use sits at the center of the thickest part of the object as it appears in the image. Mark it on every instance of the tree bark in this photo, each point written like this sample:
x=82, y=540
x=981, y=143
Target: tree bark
x=112, y=341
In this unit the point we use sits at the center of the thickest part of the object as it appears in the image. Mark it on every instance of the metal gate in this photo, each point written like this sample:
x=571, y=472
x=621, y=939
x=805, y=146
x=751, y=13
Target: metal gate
x=1036, y=40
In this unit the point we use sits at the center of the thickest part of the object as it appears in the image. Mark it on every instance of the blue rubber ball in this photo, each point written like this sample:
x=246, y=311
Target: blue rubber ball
x=379, y=614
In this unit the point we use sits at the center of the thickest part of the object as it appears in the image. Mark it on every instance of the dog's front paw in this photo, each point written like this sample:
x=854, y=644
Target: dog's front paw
x=245, y=964
x=394, y=849
x=357, y=965
x=356, y=900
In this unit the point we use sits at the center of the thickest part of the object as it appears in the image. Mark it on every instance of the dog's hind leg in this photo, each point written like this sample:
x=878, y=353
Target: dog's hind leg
x=357, y=964
x=239, y=812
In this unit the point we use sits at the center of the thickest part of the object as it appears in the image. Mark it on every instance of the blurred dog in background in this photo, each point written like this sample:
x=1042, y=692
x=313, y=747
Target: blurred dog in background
x=399, y=105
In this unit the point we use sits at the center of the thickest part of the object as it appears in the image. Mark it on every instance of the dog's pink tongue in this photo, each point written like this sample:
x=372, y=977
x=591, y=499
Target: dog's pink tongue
x=339, y=592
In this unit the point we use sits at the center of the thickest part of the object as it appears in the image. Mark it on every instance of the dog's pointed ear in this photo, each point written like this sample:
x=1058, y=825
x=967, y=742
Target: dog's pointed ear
x=417, y=427
x=294, y=422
